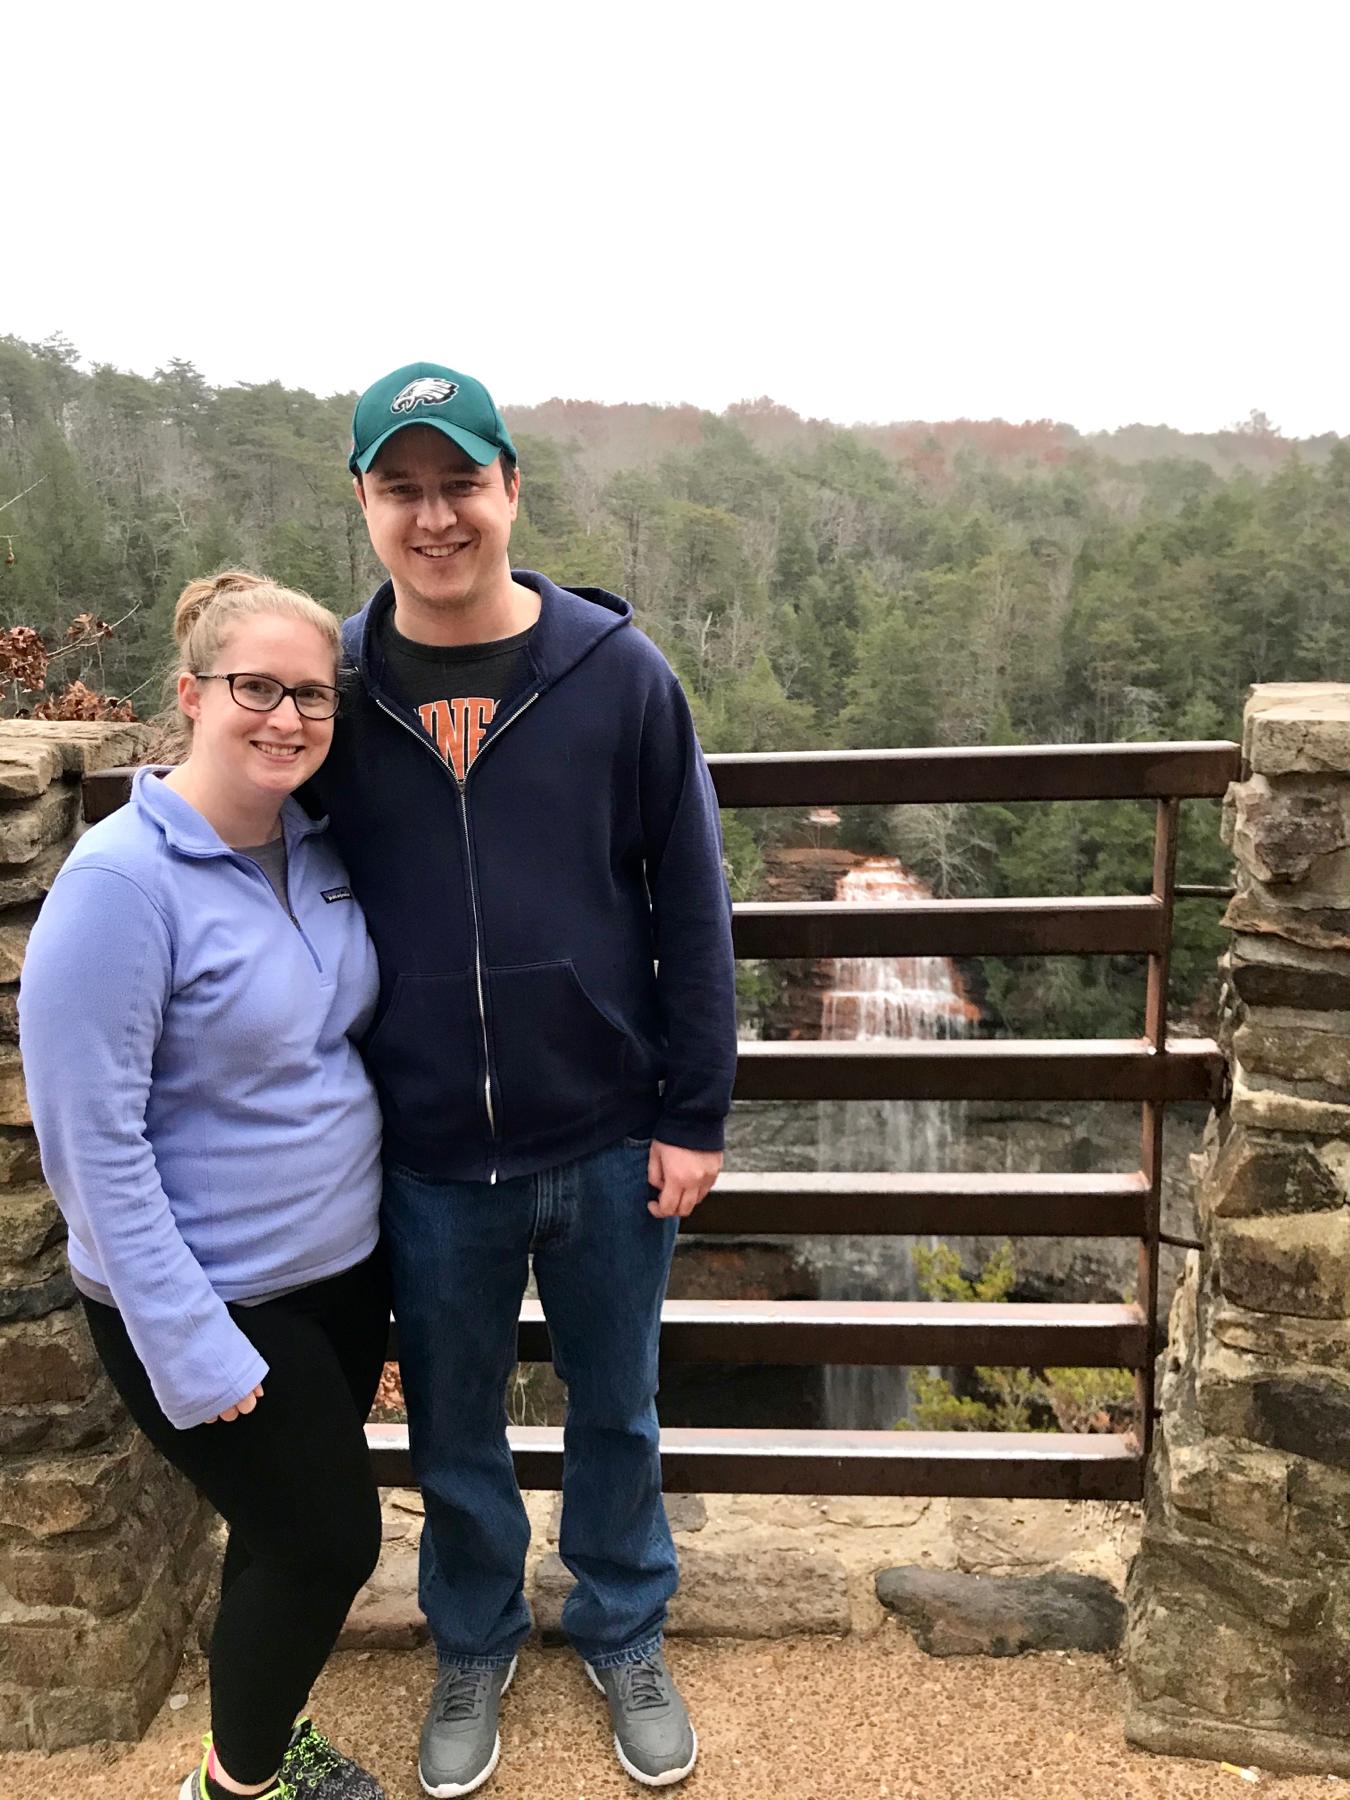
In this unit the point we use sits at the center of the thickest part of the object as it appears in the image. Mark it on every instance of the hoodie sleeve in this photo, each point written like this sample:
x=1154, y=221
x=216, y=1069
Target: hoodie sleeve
x=97, y=977
x=691, y=917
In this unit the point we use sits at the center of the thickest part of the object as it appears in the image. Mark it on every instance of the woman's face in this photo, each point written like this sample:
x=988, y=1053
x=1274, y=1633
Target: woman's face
x=261, y=754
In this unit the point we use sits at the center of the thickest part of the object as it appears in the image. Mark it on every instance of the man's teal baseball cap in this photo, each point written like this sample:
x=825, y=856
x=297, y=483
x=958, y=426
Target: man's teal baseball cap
x=428, y=394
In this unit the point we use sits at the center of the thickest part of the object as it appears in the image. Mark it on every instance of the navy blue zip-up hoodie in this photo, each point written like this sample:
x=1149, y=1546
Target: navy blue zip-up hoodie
x=554, y=934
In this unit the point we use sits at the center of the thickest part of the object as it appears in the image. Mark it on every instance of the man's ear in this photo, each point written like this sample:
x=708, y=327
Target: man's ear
x=513, y=490
x=360, y=487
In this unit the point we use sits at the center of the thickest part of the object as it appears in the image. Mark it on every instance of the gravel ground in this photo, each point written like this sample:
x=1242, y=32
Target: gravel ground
x=811, y=1718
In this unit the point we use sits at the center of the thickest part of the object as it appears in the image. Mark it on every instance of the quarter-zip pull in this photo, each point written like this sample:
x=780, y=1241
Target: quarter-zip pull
x=256, y=870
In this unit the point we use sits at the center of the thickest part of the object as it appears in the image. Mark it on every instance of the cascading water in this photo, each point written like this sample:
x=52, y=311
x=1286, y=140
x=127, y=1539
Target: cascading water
x=871, y=999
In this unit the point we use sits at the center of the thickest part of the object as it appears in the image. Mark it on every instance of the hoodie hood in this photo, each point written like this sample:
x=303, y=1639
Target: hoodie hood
x=572, y=622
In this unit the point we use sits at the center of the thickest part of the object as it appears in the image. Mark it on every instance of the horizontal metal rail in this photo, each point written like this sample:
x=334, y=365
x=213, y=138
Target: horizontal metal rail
x=893, y=777
x=918, y=1205
x=1002, y=772
x=974, y=1069
x=1066, y=927
x=1010, y=1465
x=801, y=1333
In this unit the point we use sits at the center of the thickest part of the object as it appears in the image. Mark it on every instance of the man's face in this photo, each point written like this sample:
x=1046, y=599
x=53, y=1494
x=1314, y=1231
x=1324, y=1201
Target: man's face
x=438, y=521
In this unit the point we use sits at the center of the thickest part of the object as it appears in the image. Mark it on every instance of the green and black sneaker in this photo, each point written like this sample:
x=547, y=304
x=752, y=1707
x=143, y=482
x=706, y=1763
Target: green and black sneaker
x=313, y=1770
x=194, y=1785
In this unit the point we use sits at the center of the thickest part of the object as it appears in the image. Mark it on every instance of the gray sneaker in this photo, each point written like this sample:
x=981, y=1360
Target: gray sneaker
x=460, y=1742
x=653, y=1737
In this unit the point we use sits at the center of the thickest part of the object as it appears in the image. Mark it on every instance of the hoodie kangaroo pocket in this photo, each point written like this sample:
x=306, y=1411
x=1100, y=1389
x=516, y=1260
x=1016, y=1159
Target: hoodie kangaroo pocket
x=558, y=1060
x=425, y=1055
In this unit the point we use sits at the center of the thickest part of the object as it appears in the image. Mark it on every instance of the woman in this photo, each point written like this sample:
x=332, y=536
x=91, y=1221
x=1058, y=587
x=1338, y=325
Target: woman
x=192, y=996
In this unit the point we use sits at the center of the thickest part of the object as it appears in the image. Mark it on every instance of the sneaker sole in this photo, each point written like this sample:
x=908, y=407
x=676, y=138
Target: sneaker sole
x=671, y=1776
x=450, y=1790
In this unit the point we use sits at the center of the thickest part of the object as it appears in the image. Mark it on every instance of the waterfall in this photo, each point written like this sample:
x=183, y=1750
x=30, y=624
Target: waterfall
x=892, y=996
x=871, y=999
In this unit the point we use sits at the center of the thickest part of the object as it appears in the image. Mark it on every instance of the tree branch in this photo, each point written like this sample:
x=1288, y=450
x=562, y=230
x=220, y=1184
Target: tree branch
x=28, y=490
x=93, y=638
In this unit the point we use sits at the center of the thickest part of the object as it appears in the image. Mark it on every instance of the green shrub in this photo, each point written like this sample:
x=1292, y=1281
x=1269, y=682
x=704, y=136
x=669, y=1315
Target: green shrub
x=1075, y=1400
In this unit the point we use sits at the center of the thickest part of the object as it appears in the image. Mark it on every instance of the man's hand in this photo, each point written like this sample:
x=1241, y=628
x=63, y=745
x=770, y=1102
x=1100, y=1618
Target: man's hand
x=681, y=1178
x=246, y=1405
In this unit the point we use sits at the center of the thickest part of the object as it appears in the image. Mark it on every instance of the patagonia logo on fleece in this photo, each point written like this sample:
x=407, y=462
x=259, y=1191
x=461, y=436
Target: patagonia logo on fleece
x=331, y=894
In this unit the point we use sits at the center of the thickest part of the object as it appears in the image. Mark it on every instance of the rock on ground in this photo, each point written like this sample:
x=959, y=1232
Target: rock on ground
x=754, y=1594
x=952, y=1614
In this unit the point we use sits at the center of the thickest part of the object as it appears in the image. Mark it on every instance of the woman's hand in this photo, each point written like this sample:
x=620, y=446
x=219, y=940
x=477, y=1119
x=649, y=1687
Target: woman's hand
x=246, y=1405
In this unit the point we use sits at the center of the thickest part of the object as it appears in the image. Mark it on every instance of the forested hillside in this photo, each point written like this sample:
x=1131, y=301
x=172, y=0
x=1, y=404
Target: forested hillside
x=816, y=587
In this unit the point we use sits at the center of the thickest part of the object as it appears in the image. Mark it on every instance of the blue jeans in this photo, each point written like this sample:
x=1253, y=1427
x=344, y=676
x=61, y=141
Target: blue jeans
x=459, y=1256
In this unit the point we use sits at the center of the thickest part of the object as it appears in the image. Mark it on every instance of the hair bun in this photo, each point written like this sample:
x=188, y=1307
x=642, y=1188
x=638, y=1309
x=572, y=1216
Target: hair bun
x=198, y=595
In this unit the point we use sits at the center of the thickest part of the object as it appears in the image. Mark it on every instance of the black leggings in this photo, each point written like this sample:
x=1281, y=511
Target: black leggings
x=293, y=1481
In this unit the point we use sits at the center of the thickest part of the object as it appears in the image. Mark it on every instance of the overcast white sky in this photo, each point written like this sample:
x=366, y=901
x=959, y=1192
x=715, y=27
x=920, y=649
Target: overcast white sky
x=1097, y=211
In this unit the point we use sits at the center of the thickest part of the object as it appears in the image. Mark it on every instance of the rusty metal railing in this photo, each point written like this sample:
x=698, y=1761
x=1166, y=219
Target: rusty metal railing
x=1148, y=1071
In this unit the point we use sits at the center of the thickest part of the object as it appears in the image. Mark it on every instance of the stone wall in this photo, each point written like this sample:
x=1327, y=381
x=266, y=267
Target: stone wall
x=103, y=1549
x=774, y=1565
x=1239, y=1633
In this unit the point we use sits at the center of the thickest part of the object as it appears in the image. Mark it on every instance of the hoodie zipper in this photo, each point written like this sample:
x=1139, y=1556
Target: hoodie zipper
x=461, y=788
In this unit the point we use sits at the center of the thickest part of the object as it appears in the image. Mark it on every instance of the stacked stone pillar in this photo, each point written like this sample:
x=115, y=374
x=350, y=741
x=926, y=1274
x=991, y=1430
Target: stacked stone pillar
x=104, y=1551
x=1239, y=1600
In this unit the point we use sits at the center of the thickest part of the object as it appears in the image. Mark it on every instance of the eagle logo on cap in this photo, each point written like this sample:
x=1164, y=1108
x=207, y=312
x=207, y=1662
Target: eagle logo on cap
x=427, y=390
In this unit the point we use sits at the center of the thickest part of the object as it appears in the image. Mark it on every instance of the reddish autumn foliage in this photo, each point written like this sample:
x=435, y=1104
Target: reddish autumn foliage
x=25, y=663
x=79, y=702
x=23, y=658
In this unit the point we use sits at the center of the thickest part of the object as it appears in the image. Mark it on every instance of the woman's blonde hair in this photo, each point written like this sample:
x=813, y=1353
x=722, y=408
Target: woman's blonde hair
x=210, y=608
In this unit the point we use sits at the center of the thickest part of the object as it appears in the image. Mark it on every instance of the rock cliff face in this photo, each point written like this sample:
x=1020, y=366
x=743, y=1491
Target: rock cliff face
x=1239, y=1601
x=812, y=875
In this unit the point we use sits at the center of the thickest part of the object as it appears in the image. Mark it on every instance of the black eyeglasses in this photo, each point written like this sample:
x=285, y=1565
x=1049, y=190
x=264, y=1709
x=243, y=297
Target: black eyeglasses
x=261, y=693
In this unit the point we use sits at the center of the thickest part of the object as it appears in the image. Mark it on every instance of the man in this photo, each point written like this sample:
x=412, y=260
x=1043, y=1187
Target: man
x=528, y=821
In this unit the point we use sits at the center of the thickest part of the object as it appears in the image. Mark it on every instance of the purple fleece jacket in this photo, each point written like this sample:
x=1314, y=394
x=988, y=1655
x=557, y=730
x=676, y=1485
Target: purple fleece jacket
x=206, y=1123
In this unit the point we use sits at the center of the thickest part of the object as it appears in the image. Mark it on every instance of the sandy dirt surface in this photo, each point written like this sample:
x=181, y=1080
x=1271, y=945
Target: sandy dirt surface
x=810, y=1718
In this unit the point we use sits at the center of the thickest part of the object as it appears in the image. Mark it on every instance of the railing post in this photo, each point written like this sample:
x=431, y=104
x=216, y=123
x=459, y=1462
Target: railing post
x=1151, y=1133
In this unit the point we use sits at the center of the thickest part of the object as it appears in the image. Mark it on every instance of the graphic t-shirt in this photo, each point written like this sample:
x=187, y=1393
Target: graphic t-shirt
x=454, y=688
